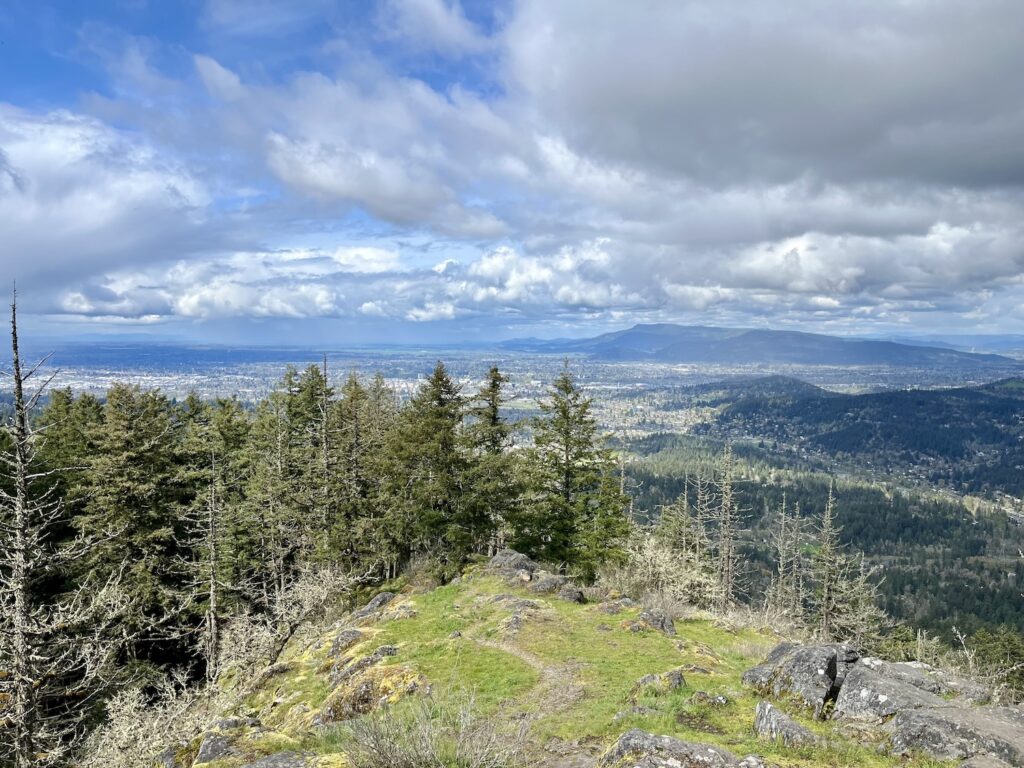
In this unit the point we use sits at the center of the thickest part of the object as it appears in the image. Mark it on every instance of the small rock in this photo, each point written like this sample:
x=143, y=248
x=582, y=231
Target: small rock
x=773, y=723
x=634, y=711
x=571, y=593
x=613, y=607
x=659, y=620
x=658, y=684
x=455, y=635
x=706, y=699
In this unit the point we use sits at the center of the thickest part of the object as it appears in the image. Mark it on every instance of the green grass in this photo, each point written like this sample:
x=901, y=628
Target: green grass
x=571, y=668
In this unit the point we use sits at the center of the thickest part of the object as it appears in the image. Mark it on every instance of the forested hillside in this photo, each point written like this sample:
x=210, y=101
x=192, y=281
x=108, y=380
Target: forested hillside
x=969, y=439
x=160, y=550
x=944, y=564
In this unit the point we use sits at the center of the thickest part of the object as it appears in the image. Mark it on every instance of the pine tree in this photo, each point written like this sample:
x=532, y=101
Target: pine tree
x=133, y=507
x=681, y=532
x=278, y=521
x=428, y=474
x=494, y=482
x=578, y=516
x=786, y=596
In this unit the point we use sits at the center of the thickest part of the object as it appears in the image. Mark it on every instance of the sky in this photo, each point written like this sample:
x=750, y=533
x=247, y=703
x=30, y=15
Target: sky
x=444, y=171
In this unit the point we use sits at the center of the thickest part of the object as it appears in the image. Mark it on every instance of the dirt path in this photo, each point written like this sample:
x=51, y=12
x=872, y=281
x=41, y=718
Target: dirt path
x=557, y=688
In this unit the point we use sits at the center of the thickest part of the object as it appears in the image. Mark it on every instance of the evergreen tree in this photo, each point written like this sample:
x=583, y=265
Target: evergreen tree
x=134, y=497
x=494, y=483
x=726, y=519
x=578, y=516
x=428, y=474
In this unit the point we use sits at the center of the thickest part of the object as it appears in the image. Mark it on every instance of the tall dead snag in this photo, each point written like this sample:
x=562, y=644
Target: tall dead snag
x=55, y=642
x=727, y=518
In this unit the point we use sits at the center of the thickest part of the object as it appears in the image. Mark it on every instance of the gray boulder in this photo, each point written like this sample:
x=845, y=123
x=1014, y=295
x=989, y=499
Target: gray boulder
x=960, y=732
x=657, y=684
x=658, y=620
x=814, y=674
x=772, y=723
x=215, y=746
x=169, y=757
x=930, y=679
x=613, y=607
x=374, y=606
x=547, y=583
x=343, y=641
x=639, y=749
x=984, y=761
x=871, y=695
x=512, y=566
x=572, y=594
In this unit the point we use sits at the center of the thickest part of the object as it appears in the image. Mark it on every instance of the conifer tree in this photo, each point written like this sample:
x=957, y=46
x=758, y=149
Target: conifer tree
x=579, y=511
x=429, y=472
x=133, y=507
x=493, y=483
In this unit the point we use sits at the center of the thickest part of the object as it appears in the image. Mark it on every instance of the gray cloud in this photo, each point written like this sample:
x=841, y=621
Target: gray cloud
x=830, y=165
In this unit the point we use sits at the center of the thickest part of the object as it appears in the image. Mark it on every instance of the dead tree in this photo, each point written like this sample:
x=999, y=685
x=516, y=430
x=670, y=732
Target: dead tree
x=56, y=648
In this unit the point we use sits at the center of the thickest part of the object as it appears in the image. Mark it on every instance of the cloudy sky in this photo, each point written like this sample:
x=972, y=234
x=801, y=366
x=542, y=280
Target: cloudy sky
x=442, y=170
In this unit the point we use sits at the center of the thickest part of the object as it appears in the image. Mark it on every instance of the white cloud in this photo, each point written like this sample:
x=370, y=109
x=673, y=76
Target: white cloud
x=436, y=25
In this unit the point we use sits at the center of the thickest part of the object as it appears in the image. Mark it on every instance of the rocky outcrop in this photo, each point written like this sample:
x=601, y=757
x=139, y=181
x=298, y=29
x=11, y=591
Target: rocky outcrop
x=869, y=695
x=814, y=674
x=954, y=732
x=984, y=761
x=772, y=723
x=917, y=708
x=640, y=749
x=514, y=567
x=517, y=569
x=374, y=607
x=652, y=620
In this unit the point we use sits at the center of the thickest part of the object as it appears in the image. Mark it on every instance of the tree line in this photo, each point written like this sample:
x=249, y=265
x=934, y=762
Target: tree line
x=133, y=526
x=141, y=535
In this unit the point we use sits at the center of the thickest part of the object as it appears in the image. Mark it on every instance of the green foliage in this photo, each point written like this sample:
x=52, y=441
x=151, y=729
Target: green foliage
x=576, y=514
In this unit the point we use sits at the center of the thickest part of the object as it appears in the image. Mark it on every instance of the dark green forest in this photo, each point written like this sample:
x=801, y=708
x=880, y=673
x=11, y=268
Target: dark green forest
x=943, y=566
x=970, y=439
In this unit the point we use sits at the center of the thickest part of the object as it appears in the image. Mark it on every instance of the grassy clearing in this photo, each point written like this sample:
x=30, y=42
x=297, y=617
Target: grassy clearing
x=570, y=668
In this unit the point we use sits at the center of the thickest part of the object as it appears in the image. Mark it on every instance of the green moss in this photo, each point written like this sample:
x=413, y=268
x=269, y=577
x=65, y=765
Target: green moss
x=571, y=667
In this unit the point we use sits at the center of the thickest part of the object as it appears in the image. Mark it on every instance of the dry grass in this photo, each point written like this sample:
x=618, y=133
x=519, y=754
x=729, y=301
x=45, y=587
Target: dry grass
x=425, y=734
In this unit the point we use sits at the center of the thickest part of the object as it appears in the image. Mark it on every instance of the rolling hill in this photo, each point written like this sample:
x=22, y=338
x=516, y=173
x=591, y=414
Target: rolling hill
x=670, y=343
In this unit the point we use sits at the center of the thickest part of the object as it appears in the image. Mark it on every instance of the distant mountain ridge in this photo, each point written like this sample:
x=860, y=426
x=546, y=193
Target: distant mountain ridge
x=669, y=343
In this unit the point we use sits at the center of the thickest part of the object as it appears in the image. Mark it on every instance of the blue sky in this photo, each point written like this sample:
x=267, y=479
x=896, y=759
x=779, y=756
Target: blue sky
x=430, y=170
